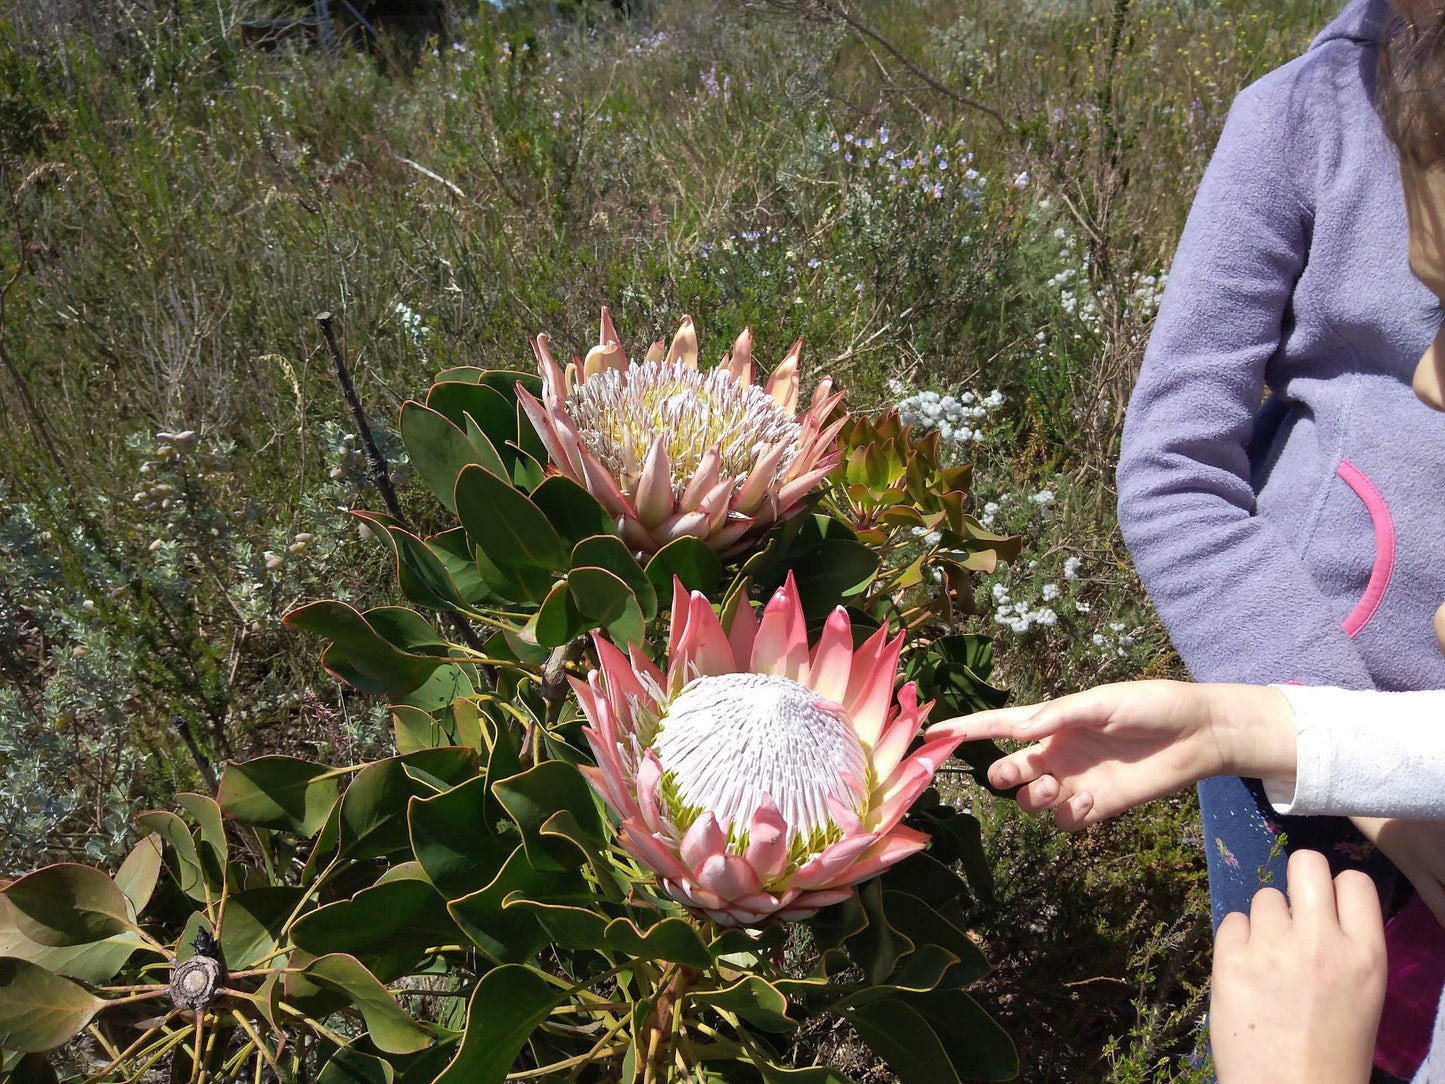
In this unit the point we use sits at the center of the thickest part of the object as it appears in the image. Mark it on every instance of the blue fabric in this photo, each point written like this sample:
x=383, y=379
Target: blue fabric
x=1240, y=833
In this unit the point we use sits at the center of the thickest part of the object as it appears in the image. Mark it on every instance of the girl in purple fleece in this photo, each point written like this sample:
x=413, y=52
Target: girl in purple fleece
x=1291, y=542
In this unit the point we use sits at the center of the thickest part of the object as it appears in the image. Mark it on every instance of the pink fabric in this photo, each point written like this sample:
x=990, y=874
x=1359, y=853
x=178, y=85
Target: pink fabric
x=1384, y=547
x=1415, y=947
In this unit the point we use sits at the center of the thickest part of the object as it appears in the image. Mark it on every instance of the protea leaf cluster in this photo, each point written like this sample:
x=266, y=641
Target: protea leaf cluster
x=672, y=450
x=758, y=778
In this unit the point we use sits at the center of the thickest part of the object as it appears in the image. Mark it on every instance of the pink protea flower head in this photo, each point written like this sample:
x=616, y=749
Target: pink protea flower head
x=671, y=450
x=758, y=779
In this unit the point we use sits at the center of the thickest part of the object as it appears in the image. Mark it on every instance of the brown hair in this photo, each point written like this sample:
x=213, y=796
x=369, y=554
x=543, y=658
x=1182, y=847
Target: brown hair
x=1410, y=93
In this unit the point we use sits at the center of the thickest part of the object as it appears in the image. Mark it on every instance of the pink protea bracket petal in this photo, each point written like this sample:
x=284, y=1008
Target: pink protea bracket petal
x=606, y=333
x=656, y=352
x=893, y=799
x=794, y=491
x=704, y=647
x=682, y=525
x=781, y=645
x=754, y=489
x=899, y=731
x=810, y=903
x=654, y=488
x=601, y=358
x=832, y=660
x=891, y=849
x=739, y=361
x=692, y=894
x=704, y=840
x=768, y=841
x=684, y=344
x=827, y=869
x=649, y=776
x=729, y=876
x=783, y=384
x=870, y=686
x=651, y=851
x=554, y=387
x=741, y=634
x=708, y=470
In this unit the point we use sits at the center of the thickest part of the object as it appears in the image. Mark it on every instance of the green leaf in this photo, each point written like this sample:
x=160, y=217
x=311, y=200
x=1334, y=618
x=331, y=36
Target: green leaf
x=94, y=963
x=572, y=511
x=494, y=411
x=372, y=816
x=17, y=1068
x=568, y=925
x=609, y=552
x=40, y=1010
x=978, y=1047
x=207, y=814
x=453, y=837
x=389, y=917
x=352, y=1066
x=509, y=1003
x=455, y=551
x=532, y=798
x=558, y=620
x=691, y=561
x=446, y=685
x=753, y=999
x=439, y=449
x=67, y=904
x=373, y=663
x=181, y=856
x=837, y=570
x=672, y=939
x=139, y=872
x=899, y=1034
x=505, y=525
x=606, y=602
x=391, y=1029
x=420, y=573
x=255, y=922
x=280, y=792
x=509, y=934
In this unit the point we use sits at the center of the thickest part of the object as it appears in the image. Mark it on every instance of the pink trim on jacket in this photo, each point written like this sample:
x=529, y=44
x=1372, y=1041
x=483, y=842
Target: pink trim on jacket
x=1384, y=548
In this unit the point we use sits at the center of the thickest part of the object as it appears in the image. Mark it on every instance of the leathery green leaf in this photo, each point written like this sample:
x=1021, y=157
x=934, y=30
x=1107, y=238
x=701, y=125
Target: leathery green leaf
x=40, y=1010
x=672, y=939
x=535, y=795
x=691, y=561
x=439, y=449
x=280, y=792
x=504, y=524
x=391, y=1029
x=753, y=999
x=67, y=904
x=421, y=574
x=570, y=509
x=139, y=872
x=611, y=553
x=607, y=603
x=373, y=662
x=506, y=1007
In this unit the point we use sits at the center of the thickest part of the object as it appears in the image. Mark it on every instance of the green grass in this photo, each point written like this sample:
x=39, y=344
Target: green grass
x=177, y=208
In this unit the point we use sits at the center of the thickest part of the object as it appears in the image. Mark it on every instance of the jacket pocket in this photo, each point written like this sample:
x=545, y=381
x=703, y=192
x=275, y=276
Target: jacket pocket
x=1384, y=566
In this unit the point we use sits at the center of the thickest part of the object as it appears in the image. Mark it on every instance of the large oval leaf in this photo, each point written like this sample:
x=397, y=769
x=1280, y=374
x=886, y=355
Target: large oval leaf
x=67, y=904
x=391, y=1029
x=439, y=449
x=375, y=662
x=691, y=561
x=505, y=525
x=280, y=792
x=40, y=1010
x=506, y=1007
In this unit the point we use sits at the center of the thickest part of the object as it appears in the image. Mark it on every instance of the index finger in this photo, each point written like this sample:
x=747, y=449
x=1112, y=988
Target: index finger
x=997, y=723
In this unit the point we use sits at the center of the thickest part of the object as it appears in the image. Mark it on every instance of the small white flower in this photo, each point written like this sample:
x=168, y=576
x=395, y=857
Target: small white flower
x=1098, y=639
x=1082, y=607
x=1047, y=618
x=1071, y=568
x=1000, y=593
x=1050, y=592
x=1022, y=180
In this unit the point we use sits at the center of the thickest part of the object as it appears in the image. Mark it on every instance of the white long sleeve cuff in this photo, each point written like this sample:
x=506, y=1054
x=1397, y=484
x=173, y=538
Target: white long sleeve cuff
x=1365, y=753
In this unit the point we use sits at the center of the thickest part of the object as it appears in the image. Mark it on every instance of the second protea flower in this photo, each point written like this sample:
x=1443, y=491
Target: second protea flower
x=671, y=450
x=759, y=779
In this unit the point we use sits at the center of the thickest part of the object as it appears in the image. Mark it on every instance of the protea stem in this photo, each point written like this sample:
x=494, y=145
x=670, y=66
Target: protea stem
x=664, y=1024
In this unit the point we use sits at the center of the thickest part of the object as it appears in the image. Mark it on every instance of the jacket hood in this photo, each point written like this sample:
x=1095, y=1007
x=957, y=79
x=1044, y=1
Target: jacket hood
x=1360, y=22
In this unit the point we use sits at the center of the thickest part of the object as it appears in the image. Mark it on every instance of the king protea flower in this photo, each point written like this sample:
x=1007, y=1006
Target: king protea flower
x=758, y=779
x=671, y=450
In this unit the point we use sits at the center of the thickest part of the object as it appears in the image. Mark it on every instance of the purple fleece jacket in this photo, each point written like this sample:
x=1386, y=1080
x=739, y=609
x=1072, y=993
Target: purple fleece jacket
x=1303, y=540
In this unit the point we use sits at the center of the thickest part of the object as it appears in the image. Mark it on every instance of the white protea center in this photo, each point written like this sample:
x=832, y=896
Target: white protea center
x=728, y=740
x=619, y=413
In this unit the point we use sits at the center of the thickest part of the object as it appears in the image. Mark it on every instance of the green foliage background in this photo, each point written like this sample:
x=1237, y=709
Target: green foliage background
x=178, y=206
